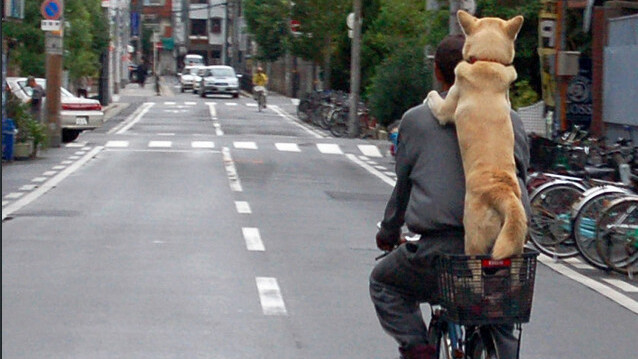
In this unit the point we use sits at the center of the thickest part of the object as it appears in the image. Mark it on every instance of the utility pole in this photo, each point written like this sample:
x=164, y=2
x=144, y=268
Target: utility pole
x=355, y=71
x=225, y=37
x=54, y=49
x=235, y=35
x=456, y=5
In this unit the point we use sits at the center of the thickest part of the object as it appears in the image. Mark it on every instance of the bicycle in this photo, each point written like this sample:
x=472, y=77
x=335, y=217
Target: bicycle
x=617, y=235
x=471, y=304
x=476, y=293
x=260, y=94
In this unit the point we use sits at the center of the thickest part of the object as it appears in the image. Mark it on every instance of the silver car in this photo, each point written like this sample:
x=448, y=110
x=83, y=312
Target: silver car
x=219, y=80
x=188, y=78
x=77, y=114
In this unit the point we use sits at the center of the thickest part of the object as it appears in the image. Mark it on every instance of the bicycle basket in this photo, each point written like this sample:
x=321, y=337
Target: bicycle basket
x=477, y=290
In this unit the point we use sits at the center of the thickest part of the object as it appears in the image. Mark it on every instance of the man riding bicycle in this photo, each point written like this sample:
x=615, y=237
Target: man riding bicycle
x=428, y=198
x=260, y=80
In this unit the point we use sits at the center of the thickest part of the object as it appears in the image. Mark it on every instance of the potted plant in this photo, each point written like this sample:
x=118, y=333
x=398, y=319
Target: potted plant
x=31, y=134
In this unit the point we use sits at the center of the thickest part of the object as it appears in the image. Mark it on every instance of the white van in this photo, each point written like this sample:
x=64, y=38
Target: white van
x=194, y=60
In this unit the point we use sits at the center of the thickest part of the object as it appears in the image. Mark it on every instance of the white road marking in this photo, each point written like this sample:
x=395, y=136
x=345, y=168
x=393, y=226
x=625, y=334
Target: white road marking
x=213, y=116
x=379, y=167
x=370, y=150
x=288, y=147
x=4, y=203
x=58, y=167
x=329, y=148
x=80, y=153
x=292, y=119
x=28, y=187
x=272, y=302
x=626, y=287
x=253, y=239
x=133, y=119
x=49, y=173
x=390, y=173
x=169, y=103
x=295, y=101
x=74, y=157
x=245, y=145
x=166, y=134
x=75, y=144
x=86, y=148
x=231, y=171
x=242, y=207
x=250, y=104
x=66, y=162
x=190, y=103
x=14, y=195
x=160, y=144
x=371, y=169
x=51, y=183
x=203, y=144
x=116, y=144
x=578, y=263
x=39, y=179
x=608, y=292
x=231, y=104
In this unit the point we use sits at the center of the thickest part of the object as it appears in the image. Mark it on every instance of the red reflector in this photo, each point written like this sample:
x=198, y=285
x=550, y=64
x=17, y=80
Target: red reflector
x=82, y=107
x=491, y=263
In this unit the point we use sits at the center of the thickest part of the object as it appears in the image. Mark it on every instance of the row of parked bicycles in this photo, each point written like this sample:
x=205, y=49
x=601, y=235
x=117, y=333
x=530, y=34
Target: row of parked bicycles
x=584, y=200
x=330, y=110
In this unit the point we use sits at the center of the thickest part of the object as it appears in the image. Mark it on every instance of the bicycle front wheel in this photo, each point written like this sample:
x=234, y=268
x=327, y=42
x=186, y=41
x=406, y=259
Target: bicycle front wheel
x=550, y=223
x=440, y=338
x=481, y=345
x=617, y=235
x=339, y=121
x=587, y=211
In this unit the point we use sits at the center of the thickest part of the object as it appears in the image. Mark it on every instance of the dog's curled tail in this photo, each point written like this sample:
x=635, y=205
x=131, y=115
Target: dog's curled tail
x=511, y=239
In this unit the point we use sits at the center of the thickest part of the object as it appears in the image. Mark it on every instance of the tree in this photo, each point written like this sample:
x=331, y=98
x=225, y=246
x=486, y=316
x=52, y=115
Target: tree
x=267, y=21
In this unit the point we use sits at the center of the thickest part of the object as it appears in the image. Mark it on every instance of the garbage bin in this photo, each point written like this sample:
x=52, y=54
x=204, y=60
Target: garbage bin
x=8, y=138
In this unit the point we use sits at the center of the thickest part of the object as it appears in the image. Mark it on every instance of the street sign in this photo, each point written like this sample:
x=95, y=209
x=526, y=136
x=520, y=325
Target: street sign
x=295, y=25
x=50, y=25
x=51, y=9
x=53, y=44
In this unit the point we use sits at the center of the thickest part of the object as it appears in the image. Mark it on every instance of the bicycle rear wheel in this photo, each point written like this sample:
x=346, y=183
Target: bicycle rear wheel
x=481, y=345
x=303, y=110
x=439, y=337
x=617, y=235
x=339, y=121
x=550, y=223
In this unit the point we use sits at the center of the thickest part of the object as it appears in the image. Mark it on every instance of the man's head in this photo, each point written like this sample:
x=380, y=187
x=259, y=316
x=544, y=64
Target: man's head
x=448, y=54
x=30, y=81
x=260, y=69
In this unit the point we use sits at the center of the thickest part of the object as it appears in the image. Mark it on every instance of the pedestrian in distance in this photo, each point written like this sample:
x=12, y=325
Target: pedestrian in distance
x=141, y=73
x=35, y=102
x=429, y=199
x=83, y=86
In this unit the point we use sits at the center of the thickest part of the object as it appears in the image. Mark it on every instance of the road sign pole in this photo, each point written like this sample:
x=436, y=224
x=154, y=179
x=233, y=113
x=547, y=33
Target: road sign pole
x=53, y=10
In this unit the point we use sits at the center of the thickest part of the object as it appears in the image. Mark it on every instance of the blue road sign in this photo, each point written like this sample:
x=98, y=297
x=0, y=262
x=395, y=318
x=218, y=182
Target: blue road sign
x=51, y=9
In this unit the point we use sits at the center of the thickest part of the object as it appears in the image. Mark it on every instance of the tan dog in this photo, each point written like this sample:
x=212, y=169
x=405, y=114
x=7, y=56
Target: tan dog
x=478, y=104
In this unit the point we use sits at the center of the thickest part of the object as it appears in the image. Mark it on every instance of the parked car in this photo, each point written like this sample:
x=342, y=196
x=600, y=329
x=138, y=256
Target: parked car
x=198, y=78
x=188, y=77
x=219, y=80
x=77, y=114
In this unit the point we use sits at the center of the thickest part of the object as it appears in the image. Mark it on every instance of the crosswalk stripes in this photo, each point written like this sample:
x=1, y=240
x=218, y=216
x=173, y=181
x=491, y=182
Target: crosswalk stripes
x=325, y=148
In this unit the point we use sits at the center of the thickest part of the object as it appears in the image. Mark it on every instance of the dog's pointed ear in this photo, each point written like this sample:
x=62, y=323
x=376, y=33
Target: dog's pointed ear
x=466, y=20
x=514, y=26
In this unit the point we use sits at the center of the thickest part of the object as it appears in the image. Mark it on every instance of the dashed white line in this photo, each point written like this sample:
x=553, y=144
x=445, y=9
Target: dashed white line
x=116, y=144
x=202, y=144
x=329, y=148
x=370, y=150
x=74, y=157
x=231, y=171
x=272, y=302
x=49, y=173
x=160, y=144
x=190, y=103
x=242, y=207
x=39, y=179
x=67, y=162
x=166, y=134
x=169, y=103
x=626, y=287
x=14, y=195
x=253, y=239
x=245, y=145
x=28, y=187
x=287, y=147
x=80, y=153
x=231, y=104
x=58, y=167
x=283, y=114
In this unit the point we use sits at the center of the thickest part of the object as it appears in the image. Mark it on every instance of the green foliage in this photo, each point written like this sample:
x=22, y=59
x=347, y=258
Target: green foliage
x=402, y=80
x=267, y=20
x=28, y=128
x=84, y=41
x=522, y=94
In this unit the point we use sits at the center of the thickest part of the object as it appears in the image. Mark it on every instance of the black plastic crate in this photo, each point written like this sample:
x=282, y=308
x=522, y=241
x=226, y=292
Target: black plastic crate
x=477, y=290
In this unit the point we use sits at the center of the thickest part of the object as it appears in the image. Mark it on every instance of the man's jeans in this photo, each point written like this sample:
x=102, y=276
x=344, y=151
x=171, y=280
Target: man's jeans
x=407, y=277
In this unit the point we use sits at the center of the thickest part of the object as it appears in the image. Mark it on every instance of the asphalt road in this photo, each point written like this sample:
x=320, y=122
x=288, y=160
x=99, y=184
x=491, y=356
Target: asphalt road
x=202, y=228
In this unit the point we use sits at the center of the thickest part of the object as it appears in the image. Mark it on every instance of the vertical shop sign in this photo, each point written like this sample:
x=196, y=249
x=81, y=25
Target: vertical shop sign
x=547, y=38
x=579, y=99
